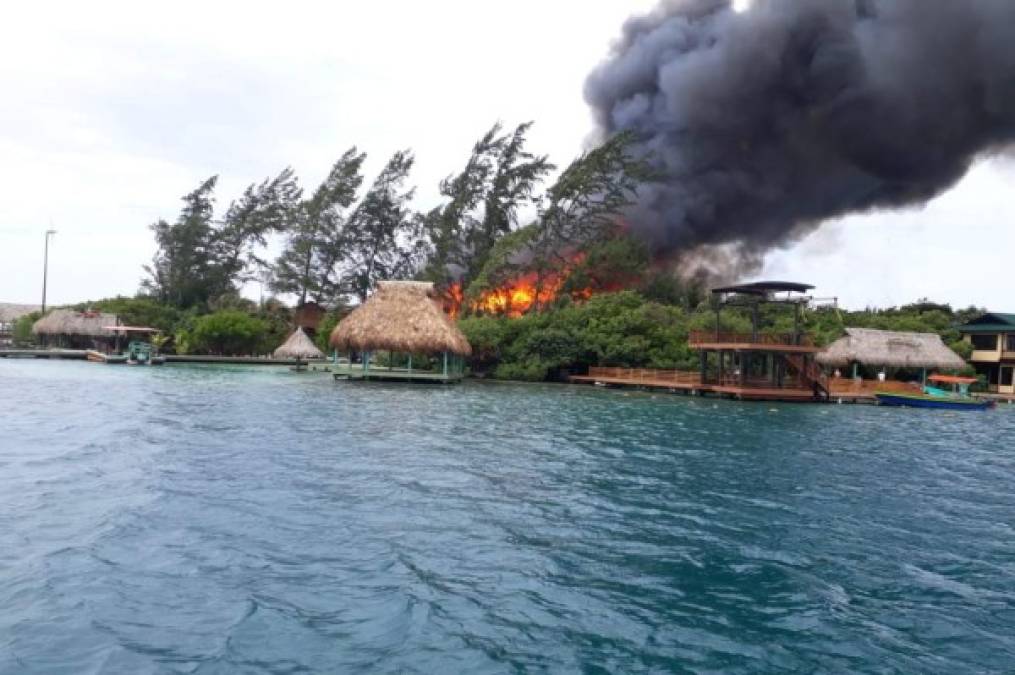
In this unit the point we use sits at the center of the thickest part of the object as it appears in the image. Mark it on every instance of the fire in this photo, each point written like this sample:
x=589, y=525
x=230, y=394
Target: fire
x=518, y=296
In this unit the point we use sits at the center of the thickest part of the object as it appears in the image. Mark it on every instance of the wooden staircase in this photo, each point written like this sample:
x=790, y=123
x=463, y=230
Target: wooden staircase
x=810, y=374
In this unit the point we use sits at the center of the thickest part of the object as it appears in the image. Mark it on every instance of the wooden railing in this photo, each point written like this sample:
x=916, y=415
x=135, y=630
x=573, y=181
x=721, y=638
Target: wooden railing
x=850, y=386
x=699, y=337
x=646, y=375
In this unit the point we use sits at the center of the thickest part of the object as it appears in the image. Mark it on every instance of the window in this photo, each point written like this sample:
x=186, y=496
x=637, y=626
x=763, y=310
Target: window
x=1006, y=376
x=985, y=343
x=1011, y=343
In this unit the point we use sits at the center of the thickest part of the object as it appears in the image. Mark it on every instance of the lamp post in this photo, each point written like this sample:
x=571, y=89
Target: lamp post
x=45, y=268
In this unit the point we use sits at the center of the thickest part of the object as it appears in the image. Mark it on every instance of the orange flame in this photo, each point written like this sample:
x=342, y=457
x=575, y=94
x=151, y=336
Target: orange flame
x=518, y=296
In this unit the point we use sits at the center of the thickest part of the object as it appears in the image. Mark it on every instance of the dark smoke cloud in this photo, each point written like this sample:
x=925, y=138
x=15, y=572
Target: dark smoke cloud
x=770, y=121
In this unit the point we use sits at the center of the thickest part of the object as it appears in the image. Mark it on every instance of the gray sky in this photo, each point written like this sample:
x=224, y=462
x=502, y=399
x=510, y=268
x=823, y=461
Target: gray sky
x=112, y=113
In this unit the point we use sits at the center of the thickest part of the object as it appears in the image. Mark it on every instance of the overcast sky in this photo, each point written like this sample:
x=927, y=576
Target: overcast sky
x=112, y=112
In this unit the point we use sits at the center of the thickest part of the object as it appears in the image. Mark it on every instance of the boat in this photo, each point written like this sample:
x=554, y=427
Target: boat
x=957, y=398
x=99, y=357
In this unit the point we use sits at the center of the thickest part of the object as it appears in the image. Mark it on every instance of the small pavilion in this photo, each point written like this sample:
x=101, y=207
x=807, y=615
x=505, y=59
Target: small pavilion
x=400, y=333
x=299, y=348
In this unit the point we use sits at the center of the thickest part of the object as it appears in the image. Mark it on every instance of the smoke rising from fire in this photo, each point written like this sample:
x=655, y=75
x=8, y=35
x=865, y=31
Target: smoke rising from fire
x=769, y=121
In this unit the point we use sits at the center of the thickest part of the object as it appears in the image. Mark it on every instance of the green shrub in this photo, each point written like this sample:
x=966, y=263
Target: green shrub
x=225, y=333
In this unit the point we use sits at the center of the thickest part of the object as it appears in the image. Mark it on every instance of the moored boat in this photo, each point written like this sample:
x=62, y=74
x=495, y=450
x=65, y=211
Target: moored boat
x=933, y=397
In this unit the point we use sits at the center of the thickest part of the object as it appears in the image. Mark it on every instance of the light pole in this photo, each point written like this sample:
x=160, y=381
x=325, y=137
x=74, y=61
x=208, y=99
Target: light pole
x=45, y=268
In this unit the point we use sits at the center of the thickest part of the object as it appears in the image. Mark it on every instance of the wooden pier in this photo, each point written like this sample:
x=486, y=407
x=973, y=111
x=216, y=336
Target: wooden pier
x=72, y=354
x=357, y=373
x=840, y=390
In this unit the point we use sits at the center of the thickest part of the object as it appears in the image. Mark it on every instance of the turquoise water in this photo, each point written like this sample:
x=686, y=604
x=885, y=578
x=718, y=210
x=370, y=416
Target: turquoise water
x=187, y=519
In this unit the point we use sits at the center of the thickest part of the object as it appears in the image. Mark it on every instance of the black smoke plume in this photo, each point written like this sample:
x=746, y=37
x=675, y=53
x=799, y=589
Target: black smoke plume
x=767, y=122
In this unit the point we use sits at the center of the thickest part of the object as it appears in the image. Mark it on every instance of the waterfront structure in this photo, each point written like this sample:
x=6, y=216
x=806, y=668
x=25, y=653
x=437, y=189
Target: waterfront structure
x=299, y=347
x=71, y=329
x=992, y=337
x=405, y=320
x=760, y=365
x=887, y=350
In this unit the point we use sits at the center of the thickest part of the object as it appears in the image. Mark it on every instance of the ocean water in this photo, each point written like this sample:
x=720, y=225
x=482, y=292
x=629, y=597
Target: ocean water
x=217, y=520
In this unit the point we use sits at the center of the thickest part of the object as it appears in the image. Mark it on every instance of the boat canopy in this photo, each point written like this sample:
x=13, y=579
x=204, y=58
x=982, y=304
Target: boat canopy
x=952, y=379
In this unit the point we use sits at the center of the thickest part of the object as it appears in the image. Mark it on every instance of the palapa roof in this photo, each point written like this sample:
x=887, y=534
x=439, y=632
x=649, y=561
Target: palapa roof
x=892, y=349
x=72, y=322
x=298, y=347
x=401, y=316
x=10, y=312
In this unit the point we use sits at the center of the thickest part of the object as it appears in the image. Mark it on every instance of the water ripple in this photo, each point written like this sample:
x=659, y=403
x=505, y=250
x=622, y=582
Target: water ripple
x=206, y=520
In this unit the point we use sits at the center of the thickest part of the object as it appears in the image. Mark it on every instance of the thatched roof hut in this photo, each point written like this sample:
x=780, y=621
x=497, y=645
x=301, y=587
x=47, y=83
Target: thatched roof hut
x=73, y=323
x=891, y=349
x=299, y=347
x=401, y=316
x=10, y=312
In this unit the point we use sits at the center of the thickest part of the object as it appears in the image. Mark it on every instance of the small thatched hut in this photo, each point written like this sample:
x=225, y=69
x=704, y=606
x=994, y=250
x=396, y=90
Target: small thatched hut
x=403, y=317
x=76, y=330
x=890, y=349
x=299, y=347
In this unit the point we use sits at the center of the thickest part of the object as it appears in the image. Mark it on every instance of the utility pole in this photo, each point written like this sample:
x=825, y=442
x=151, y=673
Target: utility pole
x=45, y=269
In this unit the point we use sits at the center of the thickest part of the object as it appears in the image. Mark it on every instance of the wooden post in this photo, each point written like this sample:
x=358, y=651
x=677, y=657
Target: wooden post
x=445, y=364
x=410, y=364
x=796, y=324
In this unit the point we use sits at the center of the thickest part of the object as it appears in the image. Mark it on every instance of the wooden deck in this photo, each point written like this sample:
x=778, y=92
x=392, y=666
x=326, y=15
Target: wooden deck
x=689, y=382
x=356, y=373
x=841, y=390
x=77, y=354
x=747, y=342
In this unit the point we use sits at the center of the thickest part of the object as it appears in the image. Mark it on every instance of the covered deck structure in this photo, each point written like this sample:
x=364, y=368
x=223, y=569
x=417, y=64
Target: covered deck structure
x=761, y=365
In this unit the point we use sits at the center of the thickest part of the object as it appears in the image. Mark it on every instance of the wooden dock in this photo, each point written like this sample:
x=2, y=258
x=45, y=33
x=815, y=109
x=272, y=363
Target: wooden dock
x=356, y=373
x=685, y=382
x=72, y=354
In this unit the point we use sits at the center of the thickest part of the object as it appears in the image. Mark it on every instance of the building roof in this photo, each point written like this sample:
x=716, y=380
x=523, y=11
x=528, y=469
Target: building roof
x=72, y=322
x=991, y=322
x=765, y=287
x=10, y=312
x=298, y=347
x=891, y=349
x=401, y=316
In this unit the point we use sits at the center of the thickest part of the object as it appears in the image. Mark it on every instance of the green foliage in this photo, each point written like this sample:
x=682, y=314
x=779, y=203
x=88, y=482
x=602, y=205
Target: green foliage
x=226, y=333
x=483, y=202
x=315, y=241
x=383, y=236
x=620, y=329
x=22, y=334
x=198, y=259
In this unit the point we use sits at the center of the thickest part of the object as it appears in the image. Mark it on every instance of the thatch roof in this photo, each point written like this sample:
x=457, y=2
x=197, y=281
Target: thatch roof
x=891, y=349
x=10, y=312
x=401, y=316
x=298, y=347
x=71, y=322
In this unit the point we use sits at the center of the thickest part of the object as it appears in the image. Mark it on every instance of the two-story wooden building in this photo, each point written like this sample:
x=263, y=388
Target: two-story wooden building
x=992, y=337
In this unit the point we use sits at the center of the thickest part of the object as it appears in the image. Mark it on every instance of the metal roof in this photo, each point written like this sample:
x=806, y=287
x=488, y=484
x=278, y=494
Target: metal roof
x=991, y=322
x=765, y=287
